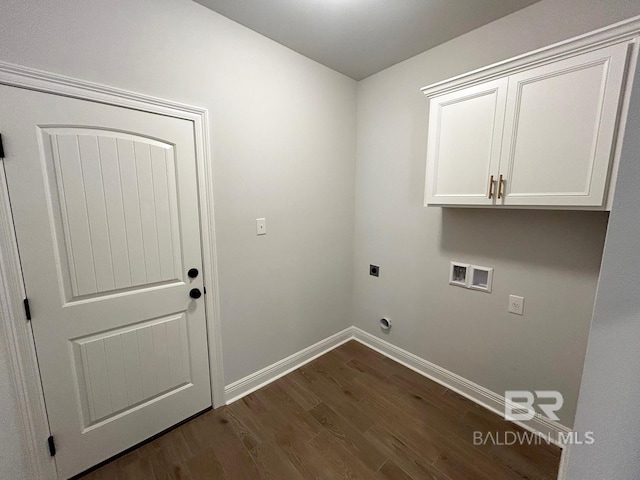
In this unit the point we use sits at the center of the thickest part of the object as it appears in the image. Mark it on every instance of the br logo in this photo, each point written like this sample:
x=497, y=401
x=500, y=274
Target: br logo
x=520, y=404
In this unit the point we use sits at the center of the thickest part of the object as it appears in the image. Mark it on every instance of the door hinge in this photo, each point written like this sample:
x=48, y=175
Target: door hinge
x=52, y=446
x=27, y=310
x=1, y=147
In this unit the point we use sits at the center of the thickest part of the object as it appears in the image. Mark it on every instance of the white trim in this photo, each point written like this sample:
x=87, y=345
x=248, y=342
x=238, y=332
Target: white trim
x=210, y=260
x=251, y=383
x=19, y=343
x=564, y=462
x=474, y=392
x=48, y=82
x=12, y=323
x=619, y=32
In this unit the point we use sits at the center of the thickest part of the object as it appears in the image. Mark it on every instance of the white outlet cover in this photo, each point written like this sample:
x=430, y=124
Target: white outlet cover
x=516, y=304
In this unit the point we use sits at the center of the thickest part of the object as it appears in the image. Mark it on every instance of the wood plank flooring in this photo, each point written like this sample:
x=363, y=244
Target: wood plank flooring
x=350, y=414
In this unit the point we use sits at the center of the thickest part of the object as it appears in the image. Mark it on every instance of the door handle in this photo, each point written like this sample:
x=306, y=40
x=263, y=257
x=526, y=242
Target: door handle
x=195, y=293
x=491, y=187
x=500, y=184
x=193, y=272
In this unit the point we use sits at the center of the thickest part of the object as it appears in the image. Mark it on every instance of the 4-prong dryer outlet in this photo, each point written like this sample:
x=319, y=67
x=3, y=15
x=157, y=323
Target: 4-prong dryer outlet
x=374, y=270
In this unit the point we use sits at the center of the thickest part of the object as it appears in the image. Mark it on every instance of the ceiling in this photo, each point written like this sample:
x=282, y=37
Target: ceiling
x=362, y=37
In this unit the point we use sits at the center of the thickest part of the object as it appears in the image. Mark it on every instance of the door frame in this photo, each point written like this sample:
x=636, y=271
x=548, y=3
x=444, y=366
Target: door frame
x=13, y=324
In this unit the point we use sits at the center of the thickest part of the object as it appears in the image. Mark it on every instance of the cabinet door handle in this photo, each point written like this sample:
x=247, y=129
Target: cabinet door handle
x=500, y=184
x=491, y=187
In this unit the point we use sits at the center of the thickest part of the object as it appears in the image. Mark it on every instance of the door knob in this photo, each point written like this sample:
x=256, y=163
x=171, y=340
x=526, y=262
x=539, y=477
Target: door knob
x=193, y=272
x=195, y=293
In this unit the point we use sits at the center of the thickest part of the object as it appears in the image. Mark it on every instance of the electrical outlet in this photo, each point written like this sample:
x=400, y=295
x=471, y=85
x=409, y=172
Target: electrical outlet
x=516, y=304
x=374, y=270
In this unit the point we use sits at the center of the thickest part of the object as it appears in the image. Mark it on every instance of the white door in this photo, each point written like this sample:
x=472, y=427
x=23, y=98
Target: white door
x=106, y=214
x=465, y=131
x=560, y=130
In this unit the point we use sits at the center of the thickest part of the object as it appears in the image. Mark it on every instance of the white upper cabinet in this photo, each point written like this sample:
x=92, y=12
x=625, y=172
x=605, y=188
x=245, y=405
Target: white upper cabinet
x=559, y=130
x=539, y=131
x=475, y=114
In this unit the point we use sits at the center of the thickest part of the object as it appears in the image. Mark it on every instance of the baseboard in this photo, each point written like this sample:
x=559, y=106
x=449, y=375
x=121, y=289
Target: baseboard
x=564, y=462
x=238, y=389
x=474, y=392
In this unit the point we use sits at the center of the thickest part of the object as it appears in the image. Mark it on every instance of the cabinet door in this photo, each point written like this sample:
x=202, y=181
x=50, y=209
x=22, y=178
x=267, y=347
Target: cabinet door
x=465, y=130
x=559, y=130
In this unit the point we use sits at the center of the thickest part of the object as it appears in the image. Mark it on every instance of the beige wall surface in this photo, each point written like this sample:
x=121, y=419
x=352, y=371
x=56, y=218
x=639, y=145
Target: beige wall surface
x=550, y=258
x=283, y=147
x=610, y=388
x=287, y=137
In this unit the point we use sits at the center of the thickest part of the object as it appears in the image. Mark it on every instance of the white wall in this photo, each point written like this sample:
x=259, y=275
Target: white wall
x=283, y=130
x=550, y=258
x=610, y=391
x=282, y=135
x=283, y=145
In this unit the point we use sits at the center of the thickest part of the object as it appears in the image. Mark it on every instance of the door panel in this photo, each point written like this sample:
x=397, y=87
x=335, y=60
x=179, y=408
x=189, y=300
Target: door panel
x=465, y=131
x=559, y=130
x=106, y=213
x=122, y=369
x=117, y=200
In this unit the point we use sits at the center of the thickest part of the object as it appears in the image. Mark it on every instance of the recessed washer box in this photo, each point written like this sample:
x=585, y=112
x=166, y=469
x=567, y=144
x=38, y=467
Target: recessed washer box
x=475, y=277
x=459, y=274
x=481, y=278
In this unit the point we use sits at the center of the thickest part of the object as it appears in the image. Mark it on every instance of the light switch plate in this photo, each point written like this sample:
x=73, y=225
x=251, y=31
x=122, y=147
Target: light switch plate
x=516, y=304
x=261, y=226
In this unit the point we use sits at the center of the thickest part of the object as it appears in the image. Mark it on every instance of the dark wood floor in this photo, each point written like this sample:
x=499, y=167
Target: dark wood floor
x=350, y=414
